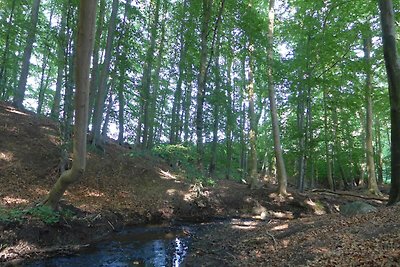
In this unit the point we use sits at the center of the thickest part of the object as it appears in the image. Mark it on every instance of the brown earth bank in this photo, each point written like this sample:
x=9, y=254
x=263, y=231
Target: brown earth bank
x=119, y=191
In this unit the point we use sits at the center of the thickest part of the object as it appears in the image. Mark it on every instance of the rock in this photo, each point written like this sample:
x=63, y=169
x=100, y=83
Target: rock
x=357, y=207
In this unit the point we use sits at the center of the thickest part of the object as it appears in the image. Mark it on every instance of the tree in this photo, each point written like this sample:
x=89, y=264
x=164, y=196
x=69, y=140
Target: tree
x=372, y=183
x=103, y=89
x=392, y=63
x=84, y=47
x=280, y=164
x=19, y=94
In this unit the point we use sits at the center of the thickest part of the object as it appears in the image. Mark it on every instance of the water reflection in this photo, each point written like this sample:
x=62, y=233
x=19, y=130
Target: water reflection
x=148, y=246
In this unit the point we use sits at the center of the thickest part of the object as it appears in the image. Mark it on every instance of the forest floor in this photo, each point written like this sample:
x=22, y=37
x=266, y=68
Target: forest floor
x=119, y=191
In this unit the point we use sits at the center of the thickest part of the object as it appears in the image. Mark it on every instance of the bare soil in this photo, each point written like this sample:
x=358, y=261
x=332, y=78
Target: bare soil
x=120, y=191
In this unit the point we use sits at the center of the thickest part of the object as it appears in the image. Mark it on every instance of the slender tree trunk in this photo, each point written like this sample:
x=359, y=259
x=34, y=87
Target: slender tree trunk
x=173, y=135
x=103, y=90
x=302, y=134
x=19, y=95
x=94, y=81
x=186, y=110
x=392, y=62
x=156, y=88
x=145, y=92
x=280, y=164
x=62, y=43
x=378, y=144
x=327, y=145
x=104, y=130
x=69, y=82
x=201, y=82
x=372, y=183
x=216, y=109
x=229, y=121
x=6, y=51
x=252, y=161
x=87, y=15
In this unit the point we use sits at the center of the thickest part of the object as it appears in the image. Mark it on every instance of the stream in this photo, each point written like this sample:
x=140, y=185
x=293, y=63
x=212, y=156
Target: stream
x=139, y=246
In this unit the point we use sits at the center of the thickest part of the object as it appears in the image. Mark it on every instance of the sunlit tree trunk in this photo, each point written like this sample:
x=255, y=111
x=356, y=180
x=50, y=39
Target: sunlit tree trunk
x=372, y=183
x=280, y=164
x=252, y=160
x=392, y=62
x=19, y=94
x=86, y=28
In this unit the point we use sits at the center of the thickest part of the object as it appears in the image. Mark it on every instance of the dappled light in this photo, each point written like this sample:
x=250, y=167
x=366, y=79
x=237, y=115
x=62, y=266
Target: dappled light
x=280, y=227
x=13, y=200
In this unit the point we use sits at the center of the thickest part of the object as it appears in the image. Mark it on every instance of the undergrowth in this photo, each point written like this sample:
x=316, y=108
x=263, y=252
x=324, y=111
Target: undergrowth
x=43, y=213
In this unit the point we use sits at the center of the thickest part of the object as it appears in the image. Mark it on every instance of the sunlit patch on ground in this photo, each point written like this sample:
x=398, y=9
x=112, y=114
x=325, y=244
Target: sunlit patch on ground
x=167, y=175
x=280, y=227
x=16, y=111
x=94, y=193
x=7, y=156
x=13, y=200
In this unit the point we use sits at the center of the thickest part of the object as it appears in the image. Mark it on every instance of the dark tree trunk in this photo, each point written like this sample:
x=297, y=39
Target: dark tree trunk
x=94, y=81
x=62, y=44
x=4, y=58
x=201, y=82
x=103, y=89
x=392, y=63
x=19, y=95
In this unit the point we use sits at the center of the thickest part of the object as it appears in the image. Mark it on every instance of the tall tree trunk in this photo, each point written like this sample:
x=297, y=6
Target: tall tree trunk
x=145, y=91
x=328, y=157
x=186, y=111
x=69, y=81
x=201, y=82
x=378, y=145
x=6, y=51
x=108, y=112
x=229, y=121
x=103, y=90
x=280, y=164
x=392, y=62
x=372, y=183
x=156, y=87
x=173, y=135
x=252, y=161
x=94, y=81
x=87, y=15
x=62, y=44
x=302, y=134
x=216, y=106
x=19, y=94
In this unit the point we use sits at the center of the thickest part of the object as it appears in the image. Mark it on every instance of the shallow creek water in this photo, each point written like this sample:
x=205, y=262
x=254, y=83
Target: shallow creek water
x=139, y=246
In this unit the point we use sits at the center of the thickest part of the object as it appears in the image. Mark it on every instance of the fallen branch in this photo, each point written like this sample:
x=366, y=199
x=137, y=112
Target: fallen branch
x=341, y=193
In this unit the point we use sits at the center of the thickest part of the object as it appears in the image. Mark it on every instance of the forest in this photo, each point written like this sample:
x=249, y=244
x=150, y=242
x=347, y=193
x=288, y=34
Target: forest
x=136, y=112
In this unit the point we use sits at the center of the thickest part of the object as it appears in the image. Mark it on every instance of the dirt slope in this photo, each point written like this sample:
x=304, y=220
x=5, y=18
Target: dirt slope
x=119, y=190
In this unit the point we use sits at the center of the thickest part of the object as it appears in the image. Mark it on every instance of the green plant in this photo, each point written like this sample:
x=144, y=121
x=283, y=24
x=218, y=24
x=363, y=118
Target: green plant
x=45, y=214
x=13, y=215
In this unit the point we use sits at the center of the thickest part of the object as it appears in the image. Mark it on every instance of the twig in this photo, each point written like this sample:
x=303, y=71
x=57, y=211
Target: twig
x=112, y=226
x=273, y=239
